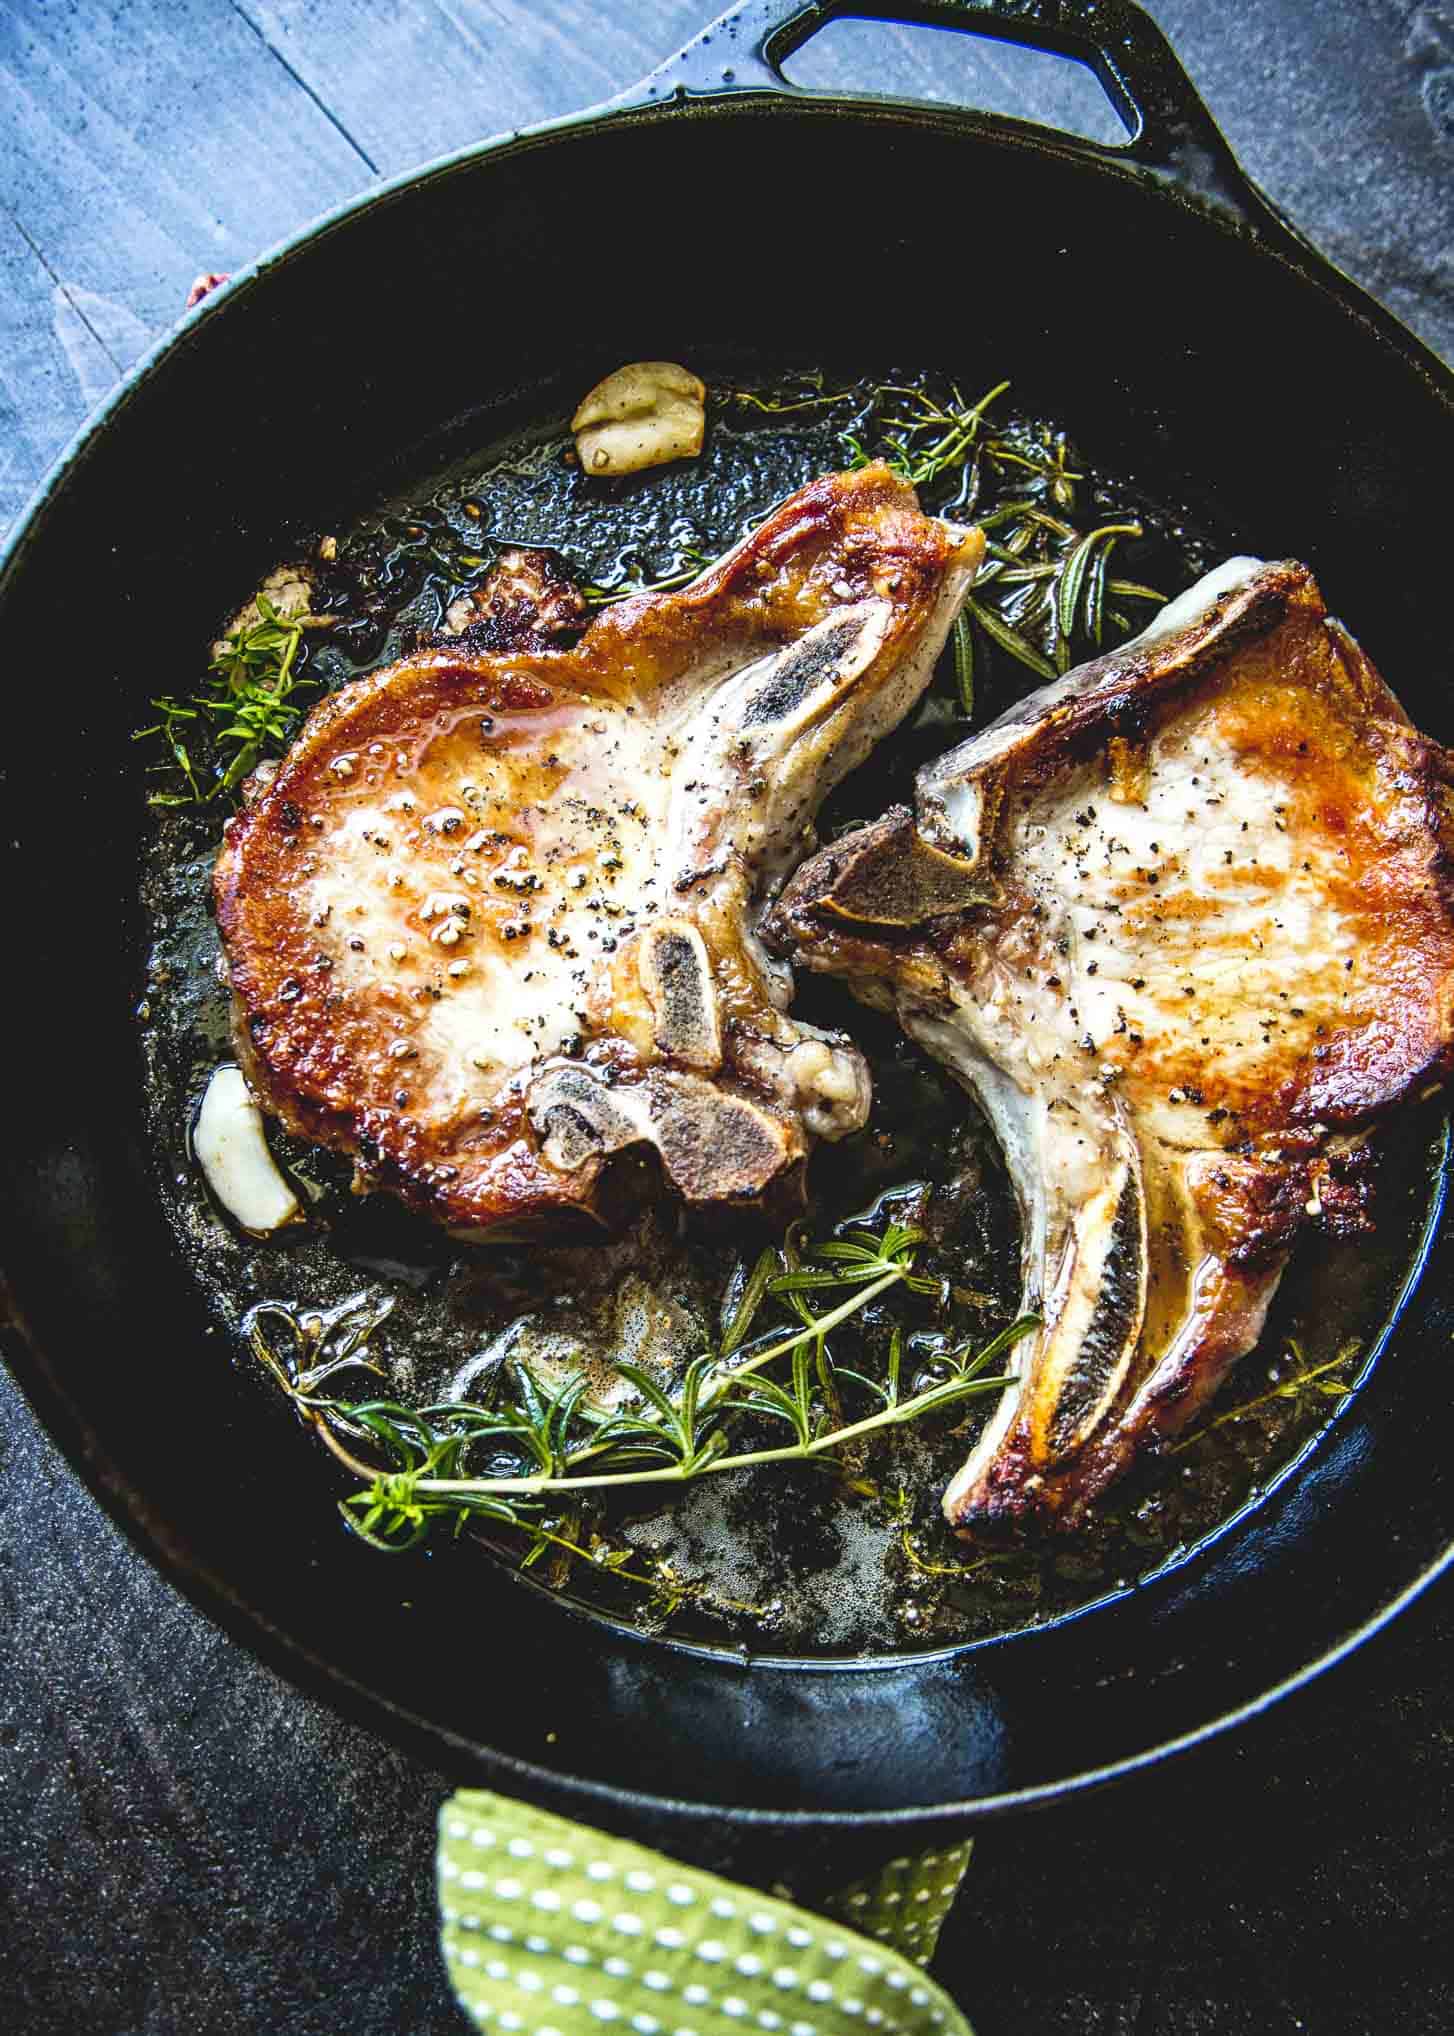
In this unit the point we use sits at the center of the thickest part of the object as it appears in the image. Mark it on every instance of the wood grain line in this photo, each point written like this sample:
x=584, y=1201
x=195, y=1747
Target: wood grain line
x=302, y=83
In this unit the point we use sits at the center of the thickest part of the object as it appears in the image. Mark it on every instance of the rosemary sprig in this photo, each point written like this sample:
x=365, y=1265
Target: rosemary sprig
x=1042, y=596
x=398, y=1506
x=932, y=439
x=544, y=1445
x=249, y=710
x=992, y=622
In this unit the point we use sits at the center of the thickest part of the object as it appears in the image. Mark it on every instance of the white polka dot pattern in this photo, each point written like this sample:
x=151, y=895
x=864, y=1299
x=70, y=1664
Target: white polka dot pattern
x=590, y=1932
x=905, y=1906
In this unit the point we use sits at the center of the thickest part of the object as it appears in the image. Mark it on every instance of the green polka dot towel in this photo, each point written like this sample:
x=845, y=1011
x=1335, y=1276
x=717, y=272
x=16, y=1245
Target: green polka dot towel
x=553, y=1929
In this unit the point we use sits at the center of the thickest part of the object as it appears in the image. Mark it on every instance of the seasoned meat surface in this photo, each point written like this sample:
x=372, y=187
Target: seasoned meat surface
x=1183, y=922
x=523, y=603
x=492, y=925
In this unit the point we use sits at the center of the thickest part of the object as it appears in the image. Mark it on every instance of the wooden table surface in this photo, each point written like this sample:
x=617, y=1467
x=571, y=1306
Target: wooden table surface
x=189, y=1844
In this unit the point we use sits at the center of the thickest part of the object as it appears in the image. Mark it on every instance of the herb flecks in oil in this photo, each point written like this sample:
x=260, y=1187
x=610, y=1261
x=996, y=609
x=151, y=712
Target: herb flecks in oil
x=688, y=565
x=901, y=1513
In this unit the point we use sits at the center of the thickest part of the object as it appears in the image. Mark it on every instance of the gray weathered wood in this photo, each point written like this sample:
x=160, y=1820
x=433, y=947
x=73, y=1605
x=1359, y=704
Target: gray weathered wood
x=422, y=77
x=136, y=148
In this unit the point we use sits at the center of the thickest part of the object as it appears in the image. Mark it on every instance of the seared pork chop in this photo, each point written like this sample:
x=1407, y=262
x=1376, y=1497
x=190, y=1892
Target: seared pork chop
x=1183, y=922
x=492, y=924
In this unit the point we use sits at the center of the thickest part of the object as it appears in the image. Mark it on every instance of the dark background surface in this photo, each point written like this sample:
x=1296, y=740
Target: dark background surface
x=188, y=1843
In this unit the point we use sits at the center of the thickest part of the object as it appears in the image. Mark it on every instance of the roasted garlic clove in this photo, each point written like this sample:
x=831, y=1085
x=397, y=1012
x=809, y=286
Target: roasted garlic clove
x=641, y=416
x=232, y=1152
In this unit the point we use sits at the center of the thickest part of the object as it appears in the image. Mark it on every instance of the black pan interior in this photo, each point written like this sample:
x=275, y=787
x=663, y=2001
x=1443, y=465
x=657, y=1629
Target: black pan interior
x=1179, y=352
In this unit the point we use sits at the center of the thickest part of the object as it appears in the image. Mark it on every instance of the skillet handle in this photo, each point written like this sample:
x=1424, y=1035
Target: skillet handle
x=1171, y=135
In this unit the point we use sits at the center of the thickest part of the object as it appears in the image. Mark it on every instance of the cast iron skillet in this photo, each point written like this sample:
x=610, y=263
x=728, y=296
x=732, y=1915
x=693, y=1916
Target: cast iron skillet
x=1190, y=338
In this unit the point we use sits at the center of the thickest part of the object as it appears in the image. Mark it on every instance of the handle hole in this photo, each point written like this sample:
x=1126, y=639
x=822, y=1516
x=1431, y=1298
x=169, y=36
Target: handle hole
x=957, y=67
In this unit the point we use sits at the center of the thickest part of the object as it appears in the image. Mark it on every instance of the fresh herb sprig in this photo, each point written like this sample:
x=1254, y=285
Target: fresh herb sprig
x=542, y=1446
x=924, y=439
x=688, y=565
x=669, y=1442
x=249, y=710
x=1046, y=594
x=1327, y=1380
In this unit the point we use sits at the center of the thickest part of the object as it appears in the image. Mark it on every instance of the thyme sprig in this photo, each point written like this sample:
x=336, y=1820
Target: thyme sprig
x=1308, y=1379
x=923, y=439
x=668, y=1442
x=249, y=710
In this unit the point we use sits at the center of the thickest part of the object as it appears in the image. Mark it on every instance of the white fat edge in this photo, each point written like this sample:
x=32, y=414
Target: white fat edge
x=1189, y=608
x=906, y=687
x=229, y=1146
x=1017, y=1118
x=957, y=807
x=960, y=806
x=708, y=826
x=950, y=800
x=959, y=576
x=771, y=851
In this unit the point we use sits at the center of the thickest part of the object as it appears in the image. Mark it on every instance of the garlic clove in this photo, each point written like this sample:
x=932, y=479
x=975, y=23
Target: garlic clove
x=643, y=415
x=229, y=1146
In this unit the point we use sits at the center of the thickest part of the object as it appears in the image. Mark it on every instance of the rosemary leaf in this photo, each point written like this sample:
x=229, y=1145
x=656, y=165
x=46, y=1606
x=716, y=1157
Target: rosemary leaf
x=1077, y=566
x=964, y=662
x=752, y=1298
x=1010, y=639
x=1095, y=598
